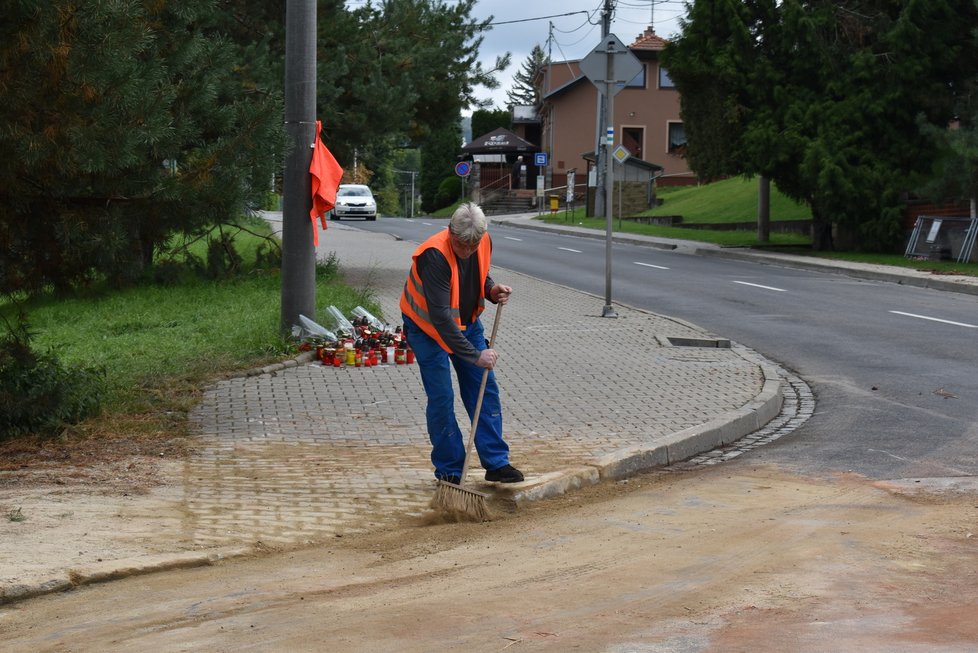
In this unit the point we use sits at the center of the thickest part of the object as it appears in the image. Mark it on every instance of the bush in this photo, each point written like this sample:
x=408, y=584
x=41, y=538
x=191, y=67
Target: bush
x=38, y=394
x=449, y=190
x=223, y=259
x=272, y=201
x=169, y=272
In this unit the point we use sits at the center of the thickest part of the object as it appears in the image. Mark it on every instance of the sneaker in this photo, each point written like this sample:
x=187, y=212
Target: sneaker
x=451, y=478
x=505, y=474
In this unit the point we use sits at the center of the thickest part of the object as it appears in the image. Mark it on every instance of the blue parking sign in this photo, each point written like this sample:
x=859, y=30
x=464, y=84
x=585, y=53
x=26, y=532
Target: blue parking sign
x=540, y=159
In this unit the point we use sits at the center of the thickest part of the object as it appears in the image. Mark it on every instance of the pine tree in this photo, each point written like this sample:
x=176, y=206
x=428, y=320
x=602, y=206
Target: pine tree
x=705, y=62
x=524, y=91
x=956, y=173
x=123, y=123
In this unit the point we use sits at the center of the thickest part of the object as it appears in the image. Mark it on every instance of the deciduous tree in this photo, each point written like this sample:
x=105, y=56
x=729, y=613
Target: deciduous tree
x=439, y=154
x=397, y=72
x=825, y=98
x=486, y=120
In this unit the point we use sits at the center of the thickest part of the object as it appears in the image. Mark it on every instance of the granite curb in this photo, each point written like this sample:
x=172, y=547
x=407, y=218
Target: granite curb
x=666, y=451
x=117, y=569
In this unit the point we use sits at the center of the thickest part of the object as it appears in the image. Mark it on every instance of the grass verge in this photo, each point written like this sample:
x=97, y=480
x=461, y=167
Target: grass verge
x=161, y=344
x=726, y=201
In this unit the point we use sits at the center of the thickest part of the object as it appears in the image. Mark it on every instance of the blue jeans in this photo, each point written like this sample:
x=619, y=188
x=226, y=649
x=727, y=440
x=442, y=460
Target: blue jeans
x=447, y=442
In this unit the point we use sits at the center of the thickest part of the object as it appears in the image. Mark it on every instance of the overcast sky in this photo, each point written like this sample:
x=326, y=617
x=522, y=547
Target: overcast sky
x=518, y=25
x=576, y=30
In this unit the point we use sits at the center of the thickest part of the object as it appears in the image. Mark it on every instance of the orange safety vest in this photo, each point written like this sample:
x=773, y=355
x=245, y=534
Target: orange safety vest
x=413, y=302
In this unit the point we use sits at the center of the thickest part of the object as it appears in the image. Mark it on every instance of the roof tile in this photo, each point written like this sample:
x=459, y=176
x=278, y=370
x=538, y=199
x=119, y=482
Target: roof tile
x=649, y=40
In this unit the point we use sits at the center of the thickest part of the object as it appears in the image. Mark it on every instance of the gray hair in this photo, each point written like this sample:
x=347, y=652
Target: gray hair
x=468, y=223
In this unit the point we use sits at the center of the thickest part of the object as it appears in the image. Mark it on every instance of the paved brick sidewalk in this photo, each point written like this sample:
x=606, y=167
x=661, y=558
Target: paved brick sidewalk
x=301, y=453
x=308, y=452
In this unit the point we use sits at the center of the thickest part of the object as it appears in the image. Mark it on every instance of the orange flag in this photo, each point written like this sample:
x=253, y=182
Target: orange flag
x=326, y=175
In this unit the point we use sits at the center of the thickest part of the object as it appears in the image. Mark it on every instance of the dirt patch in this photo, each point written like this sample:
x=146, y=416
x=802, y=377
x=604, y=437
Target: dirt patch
x=726, y=558
x=729, y=558
x=80, y=501
x=119, y=464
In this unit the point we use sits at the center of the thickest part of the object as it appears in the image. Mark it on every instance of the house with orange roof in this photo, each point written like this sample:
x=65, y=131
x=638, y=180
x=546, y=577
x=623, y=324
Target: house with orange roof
x=646, y=117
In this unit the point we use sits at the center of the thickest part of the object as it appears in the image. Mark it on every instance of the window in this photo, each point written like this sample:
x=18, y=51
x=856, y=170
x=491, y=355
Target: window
x=638, y=81
x=677, y=138
x=632, y=139
x=664, y=80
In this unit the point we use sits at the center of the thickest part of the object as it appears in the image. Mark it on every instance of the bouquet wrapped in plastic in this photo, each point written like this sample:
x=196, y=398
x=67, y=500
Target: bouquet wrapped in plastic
x=363, y=342
x=366, y=319
x=342, y=326
x=311, y=334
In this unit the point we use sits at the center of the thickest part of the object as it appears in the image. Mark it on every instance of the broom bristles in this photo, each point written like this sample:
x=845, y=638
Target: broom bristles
x=459, y=502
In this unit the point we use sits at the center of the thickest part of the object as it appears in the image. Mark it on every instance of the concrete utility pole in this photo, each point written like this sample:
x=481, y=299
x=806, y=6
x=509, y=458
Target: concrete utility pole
x=609, y=66
x=546, y=90
x=298, y=252
x=609, y=175
x=599, y=153
x=602, y=157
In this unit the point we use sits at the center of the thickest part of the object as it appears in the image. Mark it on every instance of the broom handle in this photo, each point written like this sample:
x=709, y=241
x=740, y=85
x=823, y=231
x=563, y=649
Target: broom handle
x=478, y=403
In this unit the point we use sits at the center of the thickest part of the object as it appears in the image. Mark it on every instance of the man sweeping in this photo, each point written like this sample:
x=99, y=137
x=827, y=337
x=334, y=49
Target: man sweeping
x=444, y=294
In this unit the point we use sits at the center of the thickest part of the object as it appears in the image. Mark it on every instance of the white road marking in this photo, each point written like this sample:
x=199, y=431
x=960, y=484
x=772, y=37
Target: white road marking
x=937, y=319
x=757, y=285
x=649, y=265
x=953, y=470
x=519, y=240
x=568, y=249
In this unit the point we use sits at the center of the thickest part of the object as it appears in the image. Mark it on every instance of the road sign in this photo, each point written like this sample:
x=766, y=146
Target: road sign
x=540, y=159
x=621, y=154
x=624, y=65
x=463, y=168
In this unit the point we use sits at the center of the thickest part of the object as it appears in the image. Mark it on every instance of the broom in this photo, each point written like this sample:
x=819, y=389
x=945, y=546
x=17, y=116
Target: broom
x=458, y=500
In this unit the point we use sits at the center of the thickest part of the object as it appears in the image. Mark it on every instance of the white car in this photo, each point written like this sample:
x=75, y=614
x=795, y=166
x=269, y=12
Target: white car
x=354, y=201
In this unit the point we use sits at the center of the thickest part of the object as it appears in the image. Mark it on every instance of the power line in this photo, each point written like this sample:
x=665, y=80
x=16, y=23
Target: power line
x=642, y=5
x=526, y=20
x=581, y=26
x=570, y=45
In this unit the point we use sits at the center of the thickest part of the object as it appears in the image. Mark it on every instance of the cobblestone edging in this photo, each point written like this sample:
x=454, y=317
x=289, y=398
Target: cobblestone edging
x=797, y=408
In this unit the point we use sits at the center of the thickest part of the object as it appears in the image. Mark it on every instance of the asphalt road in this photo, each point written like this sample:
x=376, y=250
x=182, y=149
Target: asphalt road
x=892, y=366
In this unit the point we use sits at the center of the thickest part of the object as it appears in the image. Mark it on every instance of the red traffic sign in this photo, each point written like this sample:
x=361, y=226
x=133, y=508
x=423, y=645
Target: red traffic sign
x=463, y=168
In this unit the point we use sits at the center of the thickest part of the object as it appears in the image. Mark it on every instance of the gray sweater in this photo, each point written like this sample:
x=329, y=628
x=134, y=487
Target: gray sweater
x=436, y=276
